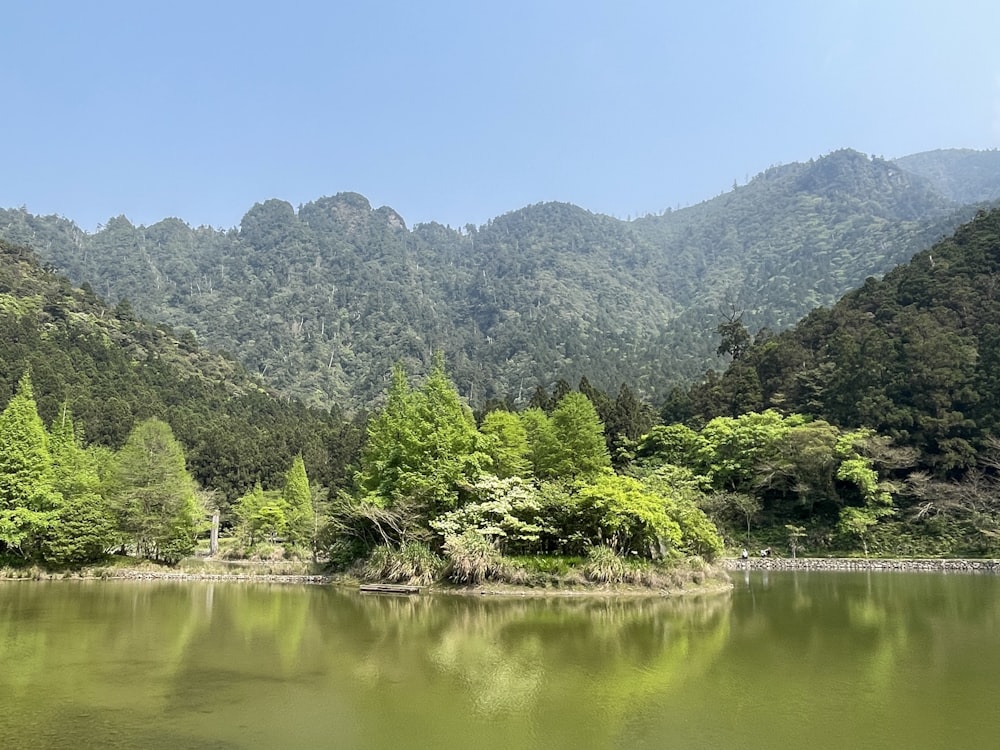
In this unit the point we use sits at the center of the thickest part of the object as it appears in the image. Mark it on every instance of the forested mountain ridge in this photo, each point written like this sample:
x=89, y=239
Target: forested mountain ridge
x=113, y=370
x=961, y=174
x=913, y=356
x=323, y=300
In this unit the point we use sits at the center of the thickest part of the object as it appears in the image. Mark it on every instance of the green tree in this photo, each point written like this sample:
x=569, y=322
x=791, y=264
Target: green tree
x=543, y=445
x=623, y=514
x=28, y=498
x=155, y=498
x=580, y=445
x=422, y=447
x=83, y=530
x=505, y=441
x=297, y=498
x=875, y=499
x=261, y=516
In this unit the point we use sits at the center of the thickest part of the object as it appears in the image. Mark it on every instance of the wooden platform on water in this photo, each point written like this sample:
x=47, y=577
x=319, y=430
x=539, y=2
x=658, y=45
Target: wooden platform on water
x=388, y=588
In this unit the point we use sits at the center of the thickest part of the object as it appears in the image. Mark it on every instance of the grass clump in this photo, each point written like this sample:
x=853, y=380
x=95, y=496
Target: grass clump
x=413, y=563
x=604, y=565
x=472, y=559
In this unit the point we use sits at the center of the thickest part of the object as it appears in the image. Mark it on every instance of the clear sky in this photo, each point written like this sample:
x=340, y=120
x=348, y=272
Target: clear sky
x=461, y=111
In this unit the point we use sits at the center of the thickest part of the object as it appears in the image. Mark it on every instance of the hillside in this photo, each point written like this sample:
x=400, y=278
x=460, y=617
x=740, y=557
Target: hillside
x=321, y=301
x=961, y=174
x=914, y=356
x=114, y=370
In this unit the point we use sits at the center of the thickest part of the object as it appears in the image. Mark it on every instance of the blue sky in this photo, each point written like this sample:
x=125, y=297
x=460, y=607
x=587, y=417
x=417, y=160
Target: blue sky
x=461, y=111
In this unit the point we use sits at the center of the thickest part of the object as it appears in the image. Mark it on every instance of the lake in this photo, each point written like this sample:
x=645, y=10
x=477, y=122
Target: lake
x=791, y=659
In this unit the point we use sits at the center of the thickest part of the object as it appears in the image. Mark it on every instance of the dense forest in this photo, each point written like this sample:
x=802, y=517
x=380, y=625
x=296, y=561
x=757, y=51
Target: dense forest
x=867, y=427
x=320, y=301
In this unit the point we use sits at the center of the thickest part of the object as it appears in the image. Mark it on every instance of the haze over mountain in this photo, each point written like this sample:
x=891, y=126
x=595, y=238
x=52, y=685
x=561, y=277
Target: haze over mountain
x=323, y=300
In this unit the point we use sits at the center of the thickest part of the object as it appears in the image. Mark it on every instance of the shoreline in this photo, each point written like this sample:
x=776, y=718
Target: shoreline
x=714, y=585
x=945, y=565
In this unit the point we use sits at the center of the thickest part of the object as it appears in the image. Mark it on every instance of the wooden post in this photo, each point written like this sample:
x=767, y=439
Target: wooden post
x=213, y=542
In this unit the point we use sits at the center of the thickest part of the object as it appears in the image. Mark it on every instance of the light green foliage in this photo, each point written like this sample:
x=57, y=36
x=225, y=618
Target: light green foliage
x=262, y=516
x=505, y=441
x=298, y=508
x=82, y=531
x=28, y=498
x=581, y=448
x=734, y=447
x=674, y=444
x=568, y=444
x=804, y=464
x=504, y=511
x=681, y=492
x=543, y=446
x=155, y=499
x=422, y=446
x=876, y=501
x=623, y=514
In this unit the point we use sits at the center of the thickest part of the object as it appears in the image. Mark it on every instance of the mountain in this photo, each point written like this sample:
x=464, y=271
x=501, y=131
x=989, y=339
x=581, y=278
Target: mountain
x=963, y=175
x=323, y=300
x=915, y=356
x=113, y=370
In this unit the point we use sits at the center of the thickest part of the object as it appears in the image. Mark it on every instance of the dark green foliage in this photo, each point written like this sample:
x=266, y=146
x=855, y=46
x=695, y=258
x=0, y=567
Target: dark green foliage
x=115, y=372
x=912, y=356
x=320, y=301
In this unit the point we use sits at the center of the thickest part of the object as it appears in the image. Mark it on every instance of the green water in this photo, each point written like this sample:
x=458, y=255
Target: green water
x=810, y=660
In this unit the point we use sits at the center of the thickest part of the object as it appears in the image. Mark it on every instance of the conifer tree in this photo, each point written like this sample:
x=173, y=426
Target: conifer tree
x=83, y=530
x=422, y=446
x=155, y=497
x=580, y=437
x=28, y=499
x=298, y=502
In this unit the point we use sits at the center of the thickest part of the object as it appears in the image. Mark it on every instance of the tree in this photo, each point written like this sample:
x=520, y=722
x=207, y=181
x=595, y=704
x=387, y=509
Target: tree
x=155, y=498
x=876, y=502
x=261, y=516
x=623, y=514
x=297, y=498
x=505, y=441
x=735, y=336
x=28, y=498
x=581, y=448
x=83, y=530
x=422, y=446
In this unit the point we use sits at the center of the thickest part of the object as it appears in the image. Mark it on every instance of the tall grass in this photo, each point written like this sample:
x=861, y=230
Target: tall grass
x=472, y=559
x=413, y=563
x=604, y=565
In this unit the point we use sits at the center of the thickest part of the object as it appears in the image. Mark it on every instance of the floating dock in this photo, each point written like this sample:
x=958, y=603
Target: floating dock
x=388, y=588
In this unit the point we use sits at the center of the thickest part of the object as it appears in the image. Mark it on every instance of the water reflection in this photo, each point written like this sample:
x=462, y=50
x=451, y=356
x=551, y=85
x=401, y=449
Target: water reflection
x=781, y=661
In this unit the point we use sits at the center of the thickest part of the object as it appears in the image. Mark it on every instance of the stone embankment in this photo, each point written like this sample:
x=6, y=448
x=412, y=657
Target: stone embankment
x=140, y=575
x=856, y=563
